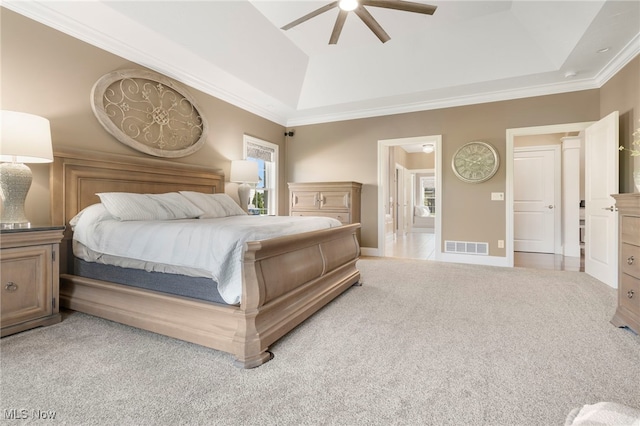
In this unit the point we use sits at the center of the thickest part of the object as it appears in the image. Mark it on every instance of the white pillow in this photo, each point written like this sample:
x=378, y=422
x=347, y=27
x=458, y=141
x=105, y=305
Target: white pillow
x=214, y=205
x=422, y=211
x=93, y=213
x=129, y=206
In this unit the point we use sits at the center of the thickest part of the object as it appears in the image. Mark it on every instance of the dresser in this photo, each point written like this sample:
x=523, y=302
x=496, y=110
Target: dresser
x=628, y=310
x=29, y=275
x=339, y=200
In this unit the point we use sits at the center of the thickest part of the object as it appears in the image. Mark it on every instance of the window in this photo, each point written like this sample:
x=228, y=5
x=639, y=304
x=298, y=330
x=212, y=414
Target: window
x=428, y=194
x=264, y=197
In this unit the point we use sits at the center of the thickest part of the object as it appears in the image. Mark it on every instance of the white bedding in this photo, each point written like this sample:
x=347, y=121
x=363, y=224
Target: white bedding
x=206, y=247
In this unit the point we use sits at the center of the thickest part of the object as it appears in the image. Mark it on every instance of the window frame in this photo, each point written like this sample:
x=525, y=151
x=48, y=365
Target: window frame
x=271, y=171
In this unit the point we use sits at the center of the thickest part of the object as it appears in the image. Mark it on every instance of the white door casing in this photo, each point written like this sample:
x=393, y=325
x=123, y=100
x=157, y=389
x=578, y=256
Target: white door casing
x=511, y=135
x=536, y=202
x=408, y=211
x=399, y=201
x=601, y=218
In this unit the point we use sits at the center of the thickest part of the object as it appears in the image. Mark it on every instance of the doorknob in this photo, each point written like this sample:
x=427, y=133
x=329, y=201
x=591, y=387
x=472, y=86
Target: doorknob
x=610, y=208
x=550, y=206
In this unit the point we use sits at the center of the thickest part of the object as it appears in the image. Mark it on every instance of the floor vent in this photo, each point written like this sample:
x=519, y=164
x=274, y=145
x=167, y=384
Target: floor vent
x=466, y=247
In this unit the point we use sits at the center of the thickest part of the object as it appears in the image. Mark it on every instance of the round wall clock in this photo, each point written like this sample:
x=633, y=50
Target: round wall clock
x=475, y=162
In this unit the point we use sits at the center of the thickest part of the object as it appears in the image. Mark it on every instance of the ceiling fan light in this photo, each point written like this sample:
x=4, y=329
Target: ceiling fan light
x=348, y=5
x=427, y=149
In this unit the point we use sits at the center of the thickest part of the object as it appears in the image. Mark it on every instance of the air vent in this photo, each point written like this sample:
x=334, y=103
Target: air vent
x=466, y=247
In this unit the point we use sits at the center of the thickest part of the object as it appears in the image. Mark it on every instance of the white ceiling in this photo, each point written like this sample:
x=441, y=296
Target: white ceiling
x=467, y=52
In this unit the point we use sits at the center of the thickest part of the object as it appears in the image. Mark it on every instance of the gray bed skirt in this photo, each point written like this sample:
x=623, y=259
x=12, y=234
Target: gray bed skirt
x=180, y=285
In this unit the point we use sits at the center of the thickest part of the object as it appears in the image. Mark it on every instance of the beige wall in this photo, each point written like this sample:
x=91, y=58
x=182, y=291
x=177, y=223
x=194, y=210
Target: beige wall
x=420, y=161
x=351, y=149
x=538, y=140
x=48, y=73
x=622, y=93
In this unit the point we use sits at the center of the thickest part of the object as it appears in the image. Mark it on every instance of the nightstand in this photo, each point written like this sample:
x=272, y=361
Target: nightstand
x=29, y=277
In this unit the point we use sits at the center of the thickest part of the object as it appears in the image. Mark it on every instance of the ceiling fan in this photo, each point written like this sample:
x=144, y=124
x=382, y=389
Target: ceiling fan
x=358, y=7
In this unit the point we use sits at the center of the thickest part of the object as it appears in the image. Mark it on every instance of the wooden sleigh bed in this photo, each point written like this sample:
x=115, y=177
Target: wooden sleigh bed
x=285, y=279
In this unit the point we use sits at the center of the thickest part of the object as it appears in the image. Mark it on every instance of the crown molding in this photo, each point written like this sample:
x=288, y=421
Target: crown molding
x=41, y=12
x=478, y=98
x=254, y=101
x=626, y=55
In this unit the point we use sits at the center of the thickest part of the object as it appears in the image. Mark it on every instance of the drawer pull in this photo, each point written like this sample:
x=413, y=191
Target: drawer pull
x=11, y=286
x=630, y=294
x=630, y=260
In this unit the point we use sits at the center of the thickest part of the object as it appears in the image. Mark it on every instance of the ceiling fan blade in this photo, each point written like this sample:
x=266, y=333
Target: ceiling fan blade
x=310, y=15
x=406, y=6
x=337, y=28
x=372, y=24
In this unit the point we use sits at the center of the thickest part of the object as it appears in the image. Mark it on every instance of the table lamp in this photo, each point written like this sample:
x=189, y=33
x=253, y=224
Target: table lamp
x=244, y=172
x=24, y=138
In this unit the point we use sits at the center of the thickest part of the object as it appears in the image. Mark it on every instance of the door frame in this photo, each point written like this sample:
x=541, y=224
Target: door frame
x=399, y=201
x=383, y=170
x=510, y=136
x=557, y=190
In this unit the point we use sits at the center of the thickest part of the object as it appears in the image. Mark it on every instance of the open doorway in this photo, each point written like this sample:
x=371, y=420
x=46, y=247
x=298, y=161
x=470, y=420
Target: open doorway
x=545, y=184
x=409, y=221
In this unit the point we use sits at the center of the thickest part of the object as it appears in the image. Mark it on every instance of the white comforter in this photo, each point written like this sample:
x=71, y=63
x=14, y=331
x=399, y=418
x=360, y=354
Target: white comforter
x=213, y=246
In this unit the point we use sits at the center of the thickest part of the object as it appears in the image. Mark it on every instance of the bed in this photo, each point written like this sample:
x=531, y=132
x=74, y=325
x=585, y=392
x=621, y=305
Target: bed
x=423, y=219
x=284, y=279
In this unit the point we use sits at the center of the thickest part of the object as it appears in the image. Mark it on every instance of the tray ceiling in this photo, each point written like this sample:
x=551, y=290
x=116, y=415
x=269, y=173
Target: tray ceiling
x=467, y=52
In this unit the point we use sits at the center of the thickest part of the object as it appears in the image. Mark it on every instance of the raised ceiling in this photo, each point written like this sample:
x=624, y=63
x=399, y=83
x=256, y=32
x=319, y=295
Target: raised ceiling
x=466, y=52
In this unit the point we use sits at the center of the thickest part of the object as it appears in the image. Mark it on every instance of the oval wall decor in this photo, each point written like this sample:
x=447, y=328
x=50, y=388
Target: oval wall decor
x=149, y=112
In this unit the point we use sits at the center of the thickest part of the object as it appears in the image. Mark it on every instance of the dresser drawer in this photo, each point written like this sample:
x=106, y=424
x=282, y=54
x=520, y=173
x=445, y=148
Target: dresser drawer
x=308, y=200
x=630, y=229
x=26, y=280
x=629, y=294
x=344, y=218
x=630, y=259
x=335, y=200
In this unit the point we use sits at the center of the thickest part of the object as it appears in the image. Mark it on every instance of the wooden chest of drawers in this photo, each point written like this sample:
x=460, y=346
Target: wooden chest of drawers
x=628, y=311
x=29, y=275
x=339, y=200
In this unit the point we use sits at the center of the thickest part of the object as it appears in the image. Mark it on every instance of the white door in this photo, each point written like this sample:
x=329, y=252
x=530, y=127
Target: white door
x=534, y=200
x=601, y=219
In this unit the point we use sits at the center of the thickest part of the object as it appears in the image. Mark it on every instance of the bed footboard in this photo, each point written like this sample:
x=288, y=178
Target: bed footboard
x=286, y=280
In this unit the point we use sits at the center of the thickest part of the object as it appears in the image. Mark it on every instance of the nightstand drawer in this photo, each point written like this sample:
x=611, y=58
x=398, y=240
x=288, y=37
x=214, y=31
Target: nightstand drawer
x=26, y=278
x=29, y=278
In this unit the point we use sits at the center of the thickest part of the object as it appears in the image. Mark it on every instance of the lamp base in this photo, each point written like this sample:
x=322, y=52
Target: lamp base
x=244, y=191
x=15, y=181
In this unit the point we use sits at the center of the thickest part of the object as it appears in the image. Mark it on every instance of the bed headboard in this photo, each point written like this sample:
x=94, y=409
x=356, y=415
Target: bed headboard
x=76, y=176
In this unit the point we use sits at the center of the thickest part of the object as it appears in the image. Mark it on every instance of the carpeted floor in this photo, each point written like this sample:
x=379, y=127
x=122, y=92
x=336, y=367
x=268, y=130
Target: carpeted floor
x=420, y=343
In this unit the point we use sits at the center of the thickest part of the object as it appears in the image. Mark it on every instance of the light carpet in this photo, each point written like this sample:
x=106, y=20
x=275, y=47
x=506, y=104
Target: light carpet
x=420, y=343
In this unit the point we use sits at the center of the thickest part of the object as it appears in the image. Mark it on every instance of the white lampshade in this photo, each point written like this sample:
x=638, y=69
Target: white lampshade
x=244, y=171
x=24, y=138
